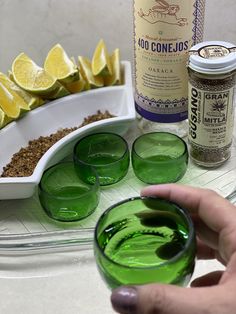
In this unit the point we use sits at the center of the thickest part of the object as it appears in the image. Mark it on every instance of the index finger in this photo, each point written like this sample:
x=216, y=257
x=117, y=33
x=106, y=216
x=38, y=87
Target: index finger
x=215, y=211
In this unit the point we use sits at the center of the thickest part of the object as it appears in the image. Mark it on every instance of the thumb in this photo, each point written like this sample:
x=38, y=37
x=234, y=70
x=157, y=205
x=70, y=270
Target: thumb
x=162, y=299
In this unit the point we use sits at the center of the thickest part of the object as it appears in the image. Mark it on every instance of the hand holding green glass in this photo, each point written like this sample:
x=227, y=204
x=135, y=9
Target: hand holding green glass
x=145, y=240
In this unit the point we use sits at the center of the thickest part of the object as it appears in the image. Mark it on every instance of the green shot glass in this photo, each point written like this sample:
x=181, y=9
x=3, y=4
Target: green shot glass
x=64, y=196
x=107, y=153
x=145, y=240
x=159, y=157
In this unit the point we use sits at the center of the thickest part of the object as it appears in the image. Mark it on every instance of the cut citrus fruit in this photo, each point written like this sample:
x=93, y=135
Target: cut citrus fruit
x=12, y=104
x=60, y=92
x=101, y=64
x=76, y=86
x=115, y=78
x=31, y=101
x=86, y=71
x=60, y=66
x=4, y=119
x=34, y=79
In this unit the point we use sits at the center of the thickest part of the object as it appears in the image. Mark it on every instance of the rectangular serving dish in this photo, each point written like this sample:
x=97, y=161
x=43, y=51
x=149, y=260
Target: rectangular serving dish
x=65, y=112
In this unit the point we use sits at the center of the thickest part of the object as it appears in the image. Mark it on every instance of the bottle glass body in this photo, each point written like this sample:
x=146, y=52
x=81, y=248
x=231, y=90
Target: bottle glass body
x=164, y=32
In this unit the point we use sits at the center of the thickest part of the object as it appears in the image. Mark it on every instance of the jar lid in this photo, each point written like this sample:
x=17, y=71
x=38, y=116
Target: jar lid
x=213, y=57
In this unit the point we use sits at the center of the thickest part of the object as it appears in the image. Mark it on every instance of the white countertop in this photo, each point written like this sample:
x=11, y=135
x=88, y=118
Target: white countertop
x=72, y=292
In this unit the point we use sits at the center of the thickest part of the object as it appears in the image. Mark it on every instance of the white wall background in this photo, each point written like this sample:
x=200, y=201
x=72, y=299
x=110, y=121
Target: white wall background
x=34, y=26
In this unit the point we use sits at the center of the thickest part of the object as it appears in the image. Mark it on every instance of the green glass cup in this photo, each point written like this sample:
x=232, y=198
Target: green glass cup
x=64, y=196
x=159, y=157
x=107, y=153
x=145, y=240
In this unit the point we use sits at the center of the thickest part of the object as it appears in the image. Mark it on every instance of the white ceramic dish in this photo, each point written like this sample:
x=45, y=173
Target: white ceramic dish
x=65, y=112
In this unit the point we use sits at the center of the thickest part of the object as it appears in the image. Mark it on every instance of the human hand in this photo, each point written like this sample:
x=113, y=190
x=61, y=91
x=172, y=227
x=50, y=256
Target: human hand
x=215, y=222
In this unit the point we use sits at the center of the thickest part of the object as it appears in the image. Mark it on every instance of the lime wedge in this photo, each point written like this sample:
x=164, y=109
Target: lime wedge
x=12, y=104
x=76, y=86
x=101, y=64
x=4, y=119
x=60, y=66
x=30, y=100
x=86, y=71
x=60, y=92
x=115, y=78
x=34, y=79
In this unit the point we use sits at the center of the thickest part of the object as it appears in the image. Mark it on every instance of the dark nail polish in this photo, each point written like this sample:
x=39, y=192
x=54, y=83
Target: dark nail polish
x=124, y=300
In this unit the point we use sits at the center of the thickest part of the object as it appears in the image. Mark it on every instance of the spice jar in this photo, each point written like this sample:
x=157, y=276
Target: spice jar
x=212, y=77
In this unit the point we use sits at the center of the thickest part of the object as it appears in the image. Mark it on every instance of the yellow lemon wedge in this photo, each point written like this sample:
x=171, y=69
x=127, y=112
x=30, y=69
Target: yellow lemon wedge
x=12, y=104
x=34, y=79
x=86, y=71
x=60, y=66
x=8, y=82
x=101, y=64
x=115, y=78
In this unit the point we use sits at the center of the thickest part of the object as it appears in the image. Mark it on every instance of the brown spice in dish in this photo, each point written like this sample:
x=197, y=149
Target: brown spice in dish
x=25, y=160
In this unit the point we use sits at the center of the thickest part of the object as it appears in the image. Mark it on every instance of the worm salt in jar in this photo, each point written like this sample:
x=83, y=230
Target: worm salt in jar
x=212, y=77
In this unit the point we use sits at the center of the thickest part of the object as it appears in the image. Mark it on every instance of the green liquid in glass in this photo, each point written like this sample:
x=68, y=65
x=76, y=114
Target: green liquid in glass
x=110, y=168
x=70, y=191
x=140, y=247
x=64, y=196
x=159, y=158
x=151, y=172
x=143, y=246
x=101, y=159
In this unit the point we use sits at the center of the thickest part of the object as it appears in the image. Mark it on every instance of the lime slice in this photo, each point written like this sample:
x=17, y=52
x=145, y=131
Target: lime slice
x=76, y=86
x=34, y=79
x=60, y=66
x=31, y=101
x=4, y=119
x=86, y=71
x=12, y=104
x=60, y=92
x=73, y=60
x=101, y=64
x=115, y=78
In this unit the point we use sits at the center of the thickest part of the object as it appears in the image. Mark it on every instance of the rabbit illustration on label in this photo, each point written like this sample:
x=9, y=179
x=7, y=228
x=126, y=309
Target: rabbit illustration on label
x=163, y=12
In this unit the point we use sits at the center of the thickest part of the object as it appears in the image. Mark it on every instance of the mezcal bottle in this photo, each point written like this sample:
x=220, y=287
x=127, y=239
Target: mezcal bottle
x=164, y=31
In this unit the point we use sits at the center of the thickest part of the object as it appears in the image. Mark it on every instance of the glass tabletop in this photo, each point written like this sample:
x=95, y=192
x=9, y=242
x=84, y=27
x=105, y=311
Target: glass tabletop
x=38, y=241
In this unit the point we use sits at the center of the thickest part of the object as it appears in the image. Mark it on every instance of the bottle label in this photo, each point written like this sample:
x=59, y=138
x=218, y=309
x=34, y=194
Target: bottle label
x=164, y=31
x=214, y=52
x=211, y=117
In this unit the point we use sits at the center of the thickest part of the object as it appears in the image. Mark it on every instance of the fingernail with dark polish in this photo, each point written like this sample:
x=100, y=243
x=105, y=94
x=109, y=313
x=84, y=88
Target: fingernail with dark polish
x=124, y=300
